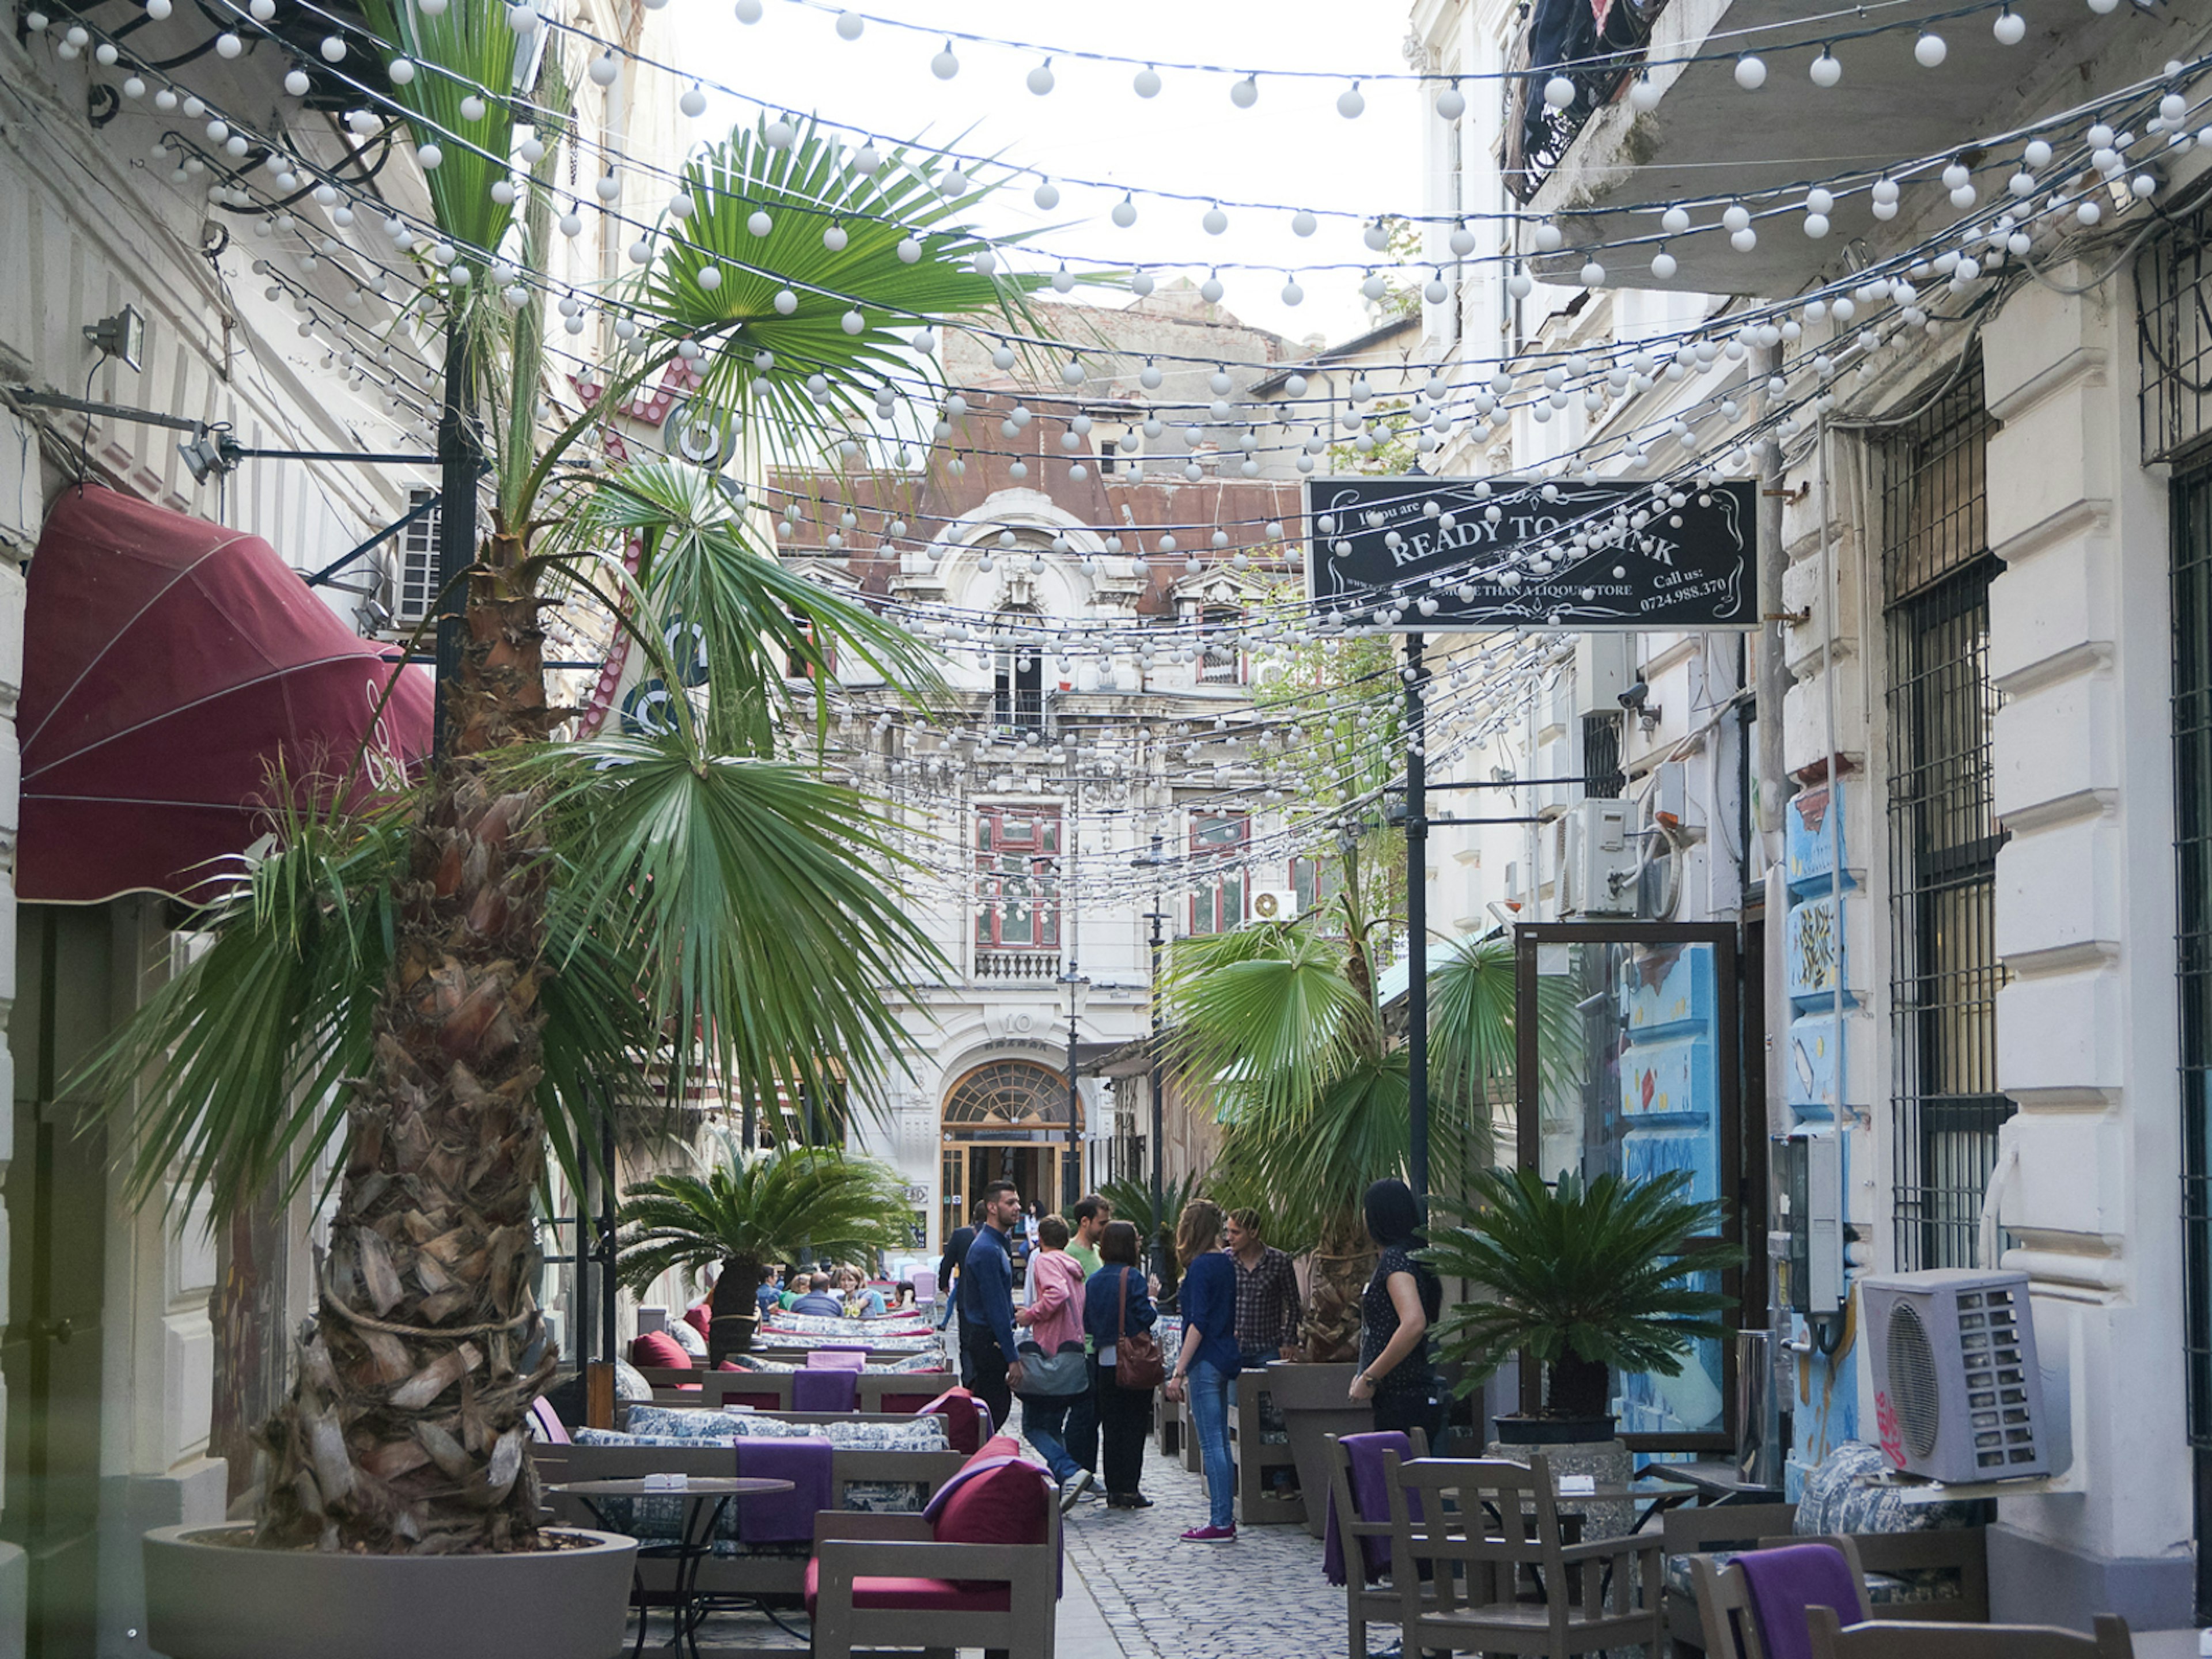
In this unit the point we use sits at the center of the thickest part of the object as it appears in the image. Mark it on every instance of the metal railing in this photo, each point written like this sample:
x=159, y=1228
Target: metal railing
x=1596, y=48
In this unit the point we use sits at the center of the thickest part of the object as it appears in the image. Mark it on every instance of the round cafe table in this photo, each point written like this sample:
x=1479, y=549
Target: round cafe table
x=694, y=1542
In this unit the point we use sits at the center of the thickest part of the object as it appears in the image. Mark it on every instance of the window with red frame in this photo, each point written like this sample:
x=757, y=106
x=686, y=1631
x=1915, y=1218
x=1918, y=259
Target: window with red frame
x=1016, y=879
x=1217, y=845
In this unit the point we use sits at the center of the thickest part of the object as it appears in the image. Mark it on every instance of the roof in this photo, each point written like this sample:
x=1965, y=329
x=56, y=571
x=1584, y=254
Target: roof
x=1374, y=337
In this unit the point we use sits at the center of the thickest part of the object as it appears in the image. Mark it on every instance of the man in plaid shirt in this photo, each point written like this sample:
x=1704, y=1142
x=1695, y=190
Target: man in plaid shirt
x=1267, y=1308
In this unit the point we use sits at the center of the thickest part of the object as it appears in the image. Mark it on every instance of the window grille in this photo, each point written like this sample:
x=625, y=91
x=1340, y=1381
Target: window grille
x=417, y=586
x=2174, y=339
x=1602, y=775
x=1943, y=833
x=2192, y=801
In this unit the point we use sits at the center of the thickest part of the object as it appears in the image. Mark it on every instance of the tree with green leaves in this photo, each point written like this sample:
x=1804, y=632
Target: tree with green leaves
x=749, y=1211
x=445, y=988
x=1584, y=1277
x=1281, y=1026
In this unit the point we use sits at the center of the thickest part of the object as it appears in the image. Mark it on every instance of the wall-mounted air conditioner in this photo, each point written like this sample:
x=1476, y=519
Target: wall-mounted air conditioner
x=1275, y=904
x=1958, y=1395
x=1599, y=847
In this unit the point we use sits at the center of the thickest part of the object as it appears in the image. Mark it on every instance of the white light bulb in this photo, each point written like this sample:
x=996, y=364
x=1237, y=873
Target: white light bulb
x=785, y=302
x=1039, y=80
x=1140, y=283
x=1736, y=216
x=1215, y=221
x=1147, y=82
x=604, y=70
x=1928, y=51
x=1292, y=294
x=2010, y=28
x=333, y=49
x=849, y=25
x=693, y=103
x=710, y=277
x=1675, y=220
x=1244, y=94
x=909, y=250
x=853, y=322
x=1750, y=72
x=1827, y=69
x=428, y=157
x=1744, y=240
x=572, y=224
x=1662, y=265
x=472, y=108
x=402, y=72
x=296, y=83
x=1644, y=94
x=1593, y=275
x=1816, y=225
x=1350, y=104
x=226, y=44
x=1304, y=223
x=1559, y=92
x=749, y=11
x=1125, y=213
x=758, y=224
x=1046, y=195
x=1451, y=102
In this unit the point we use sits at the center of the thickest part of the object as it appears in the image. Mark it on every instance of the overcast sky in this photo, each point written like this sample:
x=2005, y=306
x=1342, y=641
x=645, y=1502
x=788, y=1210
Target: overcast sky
x=1292, y=146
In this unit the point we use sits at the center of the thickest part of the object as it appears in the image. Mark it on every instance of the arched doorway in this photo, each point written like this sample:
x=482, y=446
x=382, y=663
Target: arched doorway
x=1006, y=1120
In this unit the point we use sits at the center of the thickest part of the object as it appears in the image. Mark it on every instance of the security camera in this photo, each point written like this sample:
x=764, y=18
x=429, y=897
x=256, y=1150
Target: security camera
x=1637, y=698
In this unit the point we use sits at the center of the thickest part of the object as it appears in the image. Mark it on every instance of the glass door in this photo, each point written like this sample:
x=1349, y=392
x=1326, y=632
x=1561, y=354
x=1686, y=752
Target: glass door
x=1650, y=1083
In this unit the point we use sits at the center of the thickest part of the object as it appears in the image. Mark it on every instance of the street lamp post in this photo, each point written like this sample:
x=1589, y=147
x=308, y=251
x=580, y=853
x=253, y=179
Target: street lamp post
x=1155, y=1249
x=1078, y=989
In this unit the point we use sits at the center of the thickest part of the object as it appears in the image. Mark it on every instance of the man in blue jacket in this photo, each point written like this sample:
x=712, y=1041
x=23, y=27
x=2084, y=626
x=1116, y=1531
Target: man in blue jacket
x=986, y=1306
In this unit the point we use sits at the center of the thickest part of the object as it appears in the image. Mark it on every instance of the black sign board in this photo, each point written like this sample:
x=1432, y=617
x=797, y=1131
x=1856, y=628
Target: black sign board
x=1498, y=553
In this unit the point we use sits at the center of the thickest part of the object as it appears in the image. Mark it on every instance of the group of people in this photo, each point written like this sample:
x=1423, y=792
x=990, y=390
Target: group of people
x=837, y=1293
x=1240, y=1307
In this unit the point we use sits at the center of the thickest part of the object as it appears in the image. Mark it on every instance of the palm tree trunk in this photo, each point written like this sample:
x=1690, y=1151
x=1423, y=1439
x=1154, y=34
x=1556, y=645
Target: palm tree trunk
x=405, y=1430
x=1344, y=1261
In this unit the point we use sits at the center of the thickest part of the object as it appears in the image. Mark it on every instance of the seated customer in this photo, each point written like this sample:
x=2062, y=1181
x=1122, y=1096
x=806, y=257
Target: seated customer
x=814, y=1298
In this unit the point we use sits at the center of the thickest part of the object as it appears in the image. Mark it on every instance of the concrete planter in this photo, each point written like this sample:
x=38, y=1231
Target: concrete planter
x=214, y=1600
x=1314, y=1401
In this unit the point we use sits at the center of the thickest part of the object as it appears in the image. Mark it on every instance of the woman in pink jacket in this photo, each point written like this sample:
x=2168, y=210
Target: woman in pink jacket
x=1054, y=1321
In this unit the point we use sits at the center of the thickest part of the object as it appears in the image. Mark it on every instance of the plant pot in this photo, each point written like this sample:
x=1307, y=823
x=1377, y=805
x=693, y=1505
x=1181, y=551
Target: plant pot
x=1519, y=1431
x=208, y=1600
x=1315, y=1402
x=729, y=1333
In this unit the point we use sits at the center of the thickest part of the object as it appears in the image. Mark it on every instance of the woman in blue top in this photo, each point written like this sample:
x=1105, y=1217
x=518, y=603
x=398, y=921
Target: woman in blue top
x=1209, y=1361
x=1114, y=1300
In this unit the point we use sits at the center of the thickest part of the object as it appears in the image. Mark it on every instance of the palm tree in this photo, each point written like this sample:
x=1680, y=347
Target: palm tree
x=1132, y=1203
x=747, y=1211
x=444, y=987
x=1280, y=1024
x=1585, y=1280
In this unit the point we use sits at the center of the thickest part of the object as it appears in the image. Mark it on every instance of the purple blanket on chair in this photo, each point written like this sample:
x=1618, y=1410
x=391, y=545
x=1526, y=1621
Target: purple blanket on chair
x=1784, y=1582
x=1370, y=1497
x=824, y=1391
x=784, y=1517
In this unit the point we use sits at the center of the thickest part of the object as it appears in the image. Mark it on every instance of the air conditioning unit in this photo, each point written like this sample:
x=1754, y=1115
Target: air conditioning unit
x=1599, y=851
x=1275, y=904
x=1958, y=1393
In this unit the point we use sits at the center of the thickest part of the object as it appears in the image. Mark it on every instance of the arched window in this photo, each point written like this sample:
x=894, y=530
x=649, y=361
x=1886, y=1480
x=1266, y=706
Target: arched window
x=1018, y=689
x=1005, y=1096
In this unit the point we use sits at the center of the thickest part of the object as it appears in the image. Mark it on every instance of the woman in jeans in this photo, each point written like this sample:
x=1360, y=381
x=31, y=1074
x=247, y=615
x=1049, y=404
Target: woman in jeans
x=1402, y=1300
x=1053, y=1319
x=1115, y=1301
x=1209, y=1361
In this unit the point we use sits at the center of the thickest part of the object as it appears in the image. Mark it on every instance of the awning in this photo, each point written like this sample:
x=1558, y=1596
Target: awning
x=169, y=664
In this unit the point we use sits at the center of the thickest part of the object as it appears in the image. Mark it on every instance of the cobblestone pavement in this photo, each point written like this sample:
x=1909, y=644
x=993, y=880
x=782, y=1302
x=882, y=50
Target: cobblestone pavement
x=1261, y=1597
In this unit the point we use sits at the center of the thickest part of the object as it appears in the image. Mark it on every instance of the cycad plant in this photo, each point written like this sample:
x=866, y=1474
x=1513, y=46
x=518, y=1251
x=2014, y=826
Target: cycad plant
x=1584, y=1279
x=745, y=1212
x=1132, y=1203
x=539, y=930
x=1280, y=1025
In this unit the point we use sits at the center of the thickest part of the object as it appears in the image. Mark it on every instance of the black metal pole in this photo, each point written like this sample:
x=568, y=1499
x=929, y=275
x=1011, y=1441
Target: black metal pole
x=586, y=1324
x=1071, y=1178
x=460, y=461
x=1159, y=1131
x=1417, y=923
x=609, y=1287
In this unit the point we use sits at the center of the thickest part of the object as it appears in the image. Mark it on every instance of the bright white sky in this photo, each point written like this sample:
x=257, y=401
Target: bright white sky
x=1292, y=146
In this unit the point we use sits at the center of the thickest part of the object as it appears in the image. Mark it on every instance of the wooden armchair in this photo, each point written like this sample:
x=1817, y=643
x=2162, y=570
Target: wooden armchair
x=881, y=1581
x=1490, y=1532
x=1362, y=1602
x=1724, y=1607
x=1887, y=1639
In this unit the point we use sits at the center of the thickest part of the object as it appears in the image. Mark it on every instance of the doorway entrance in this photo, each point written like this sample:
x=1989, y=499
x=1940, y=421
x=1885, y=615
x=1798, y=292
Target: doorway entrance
x=1005, y=1120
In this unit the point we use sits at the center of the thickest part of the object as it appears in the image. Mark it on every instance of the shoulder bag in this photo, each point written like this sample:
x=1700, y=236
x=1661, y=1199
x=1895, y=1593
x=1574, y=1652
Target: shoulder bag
x=1137, y=1361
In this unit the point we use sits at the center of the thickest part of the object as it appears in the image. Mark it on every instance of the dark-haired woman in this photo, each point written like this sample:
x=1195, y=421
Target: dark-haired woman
x=1115, y=1301
x=1401, y=1300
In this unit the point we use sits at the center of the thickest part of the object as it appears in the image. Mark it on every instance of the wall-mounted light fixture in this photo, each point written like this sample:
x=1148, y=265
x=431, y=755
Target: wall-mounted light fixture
x=210, y=453
x=122, y=335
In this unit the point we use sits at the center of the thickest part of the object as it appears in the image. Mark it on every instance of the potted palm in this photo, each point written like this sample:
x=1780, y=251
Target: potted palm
x=446, y=992
x=1281, y=1024
x=745, y=1211
x=1583, y=1279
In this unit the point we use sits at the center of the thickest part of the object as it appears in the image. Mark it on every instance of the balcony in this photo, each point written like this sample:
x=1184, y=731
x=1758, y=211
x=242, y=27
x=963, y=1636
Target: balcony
x=1707, y=141
x=1040, y=968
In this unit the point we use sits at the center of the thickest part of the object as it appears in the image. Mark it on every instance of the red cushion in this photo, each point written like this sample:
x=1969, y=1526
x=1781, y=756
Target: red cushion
x=916, y=1595
x=658, y=1348
x=964, y=1423
x=1005, y=1505
x=699, y=1319
x=998, y=1445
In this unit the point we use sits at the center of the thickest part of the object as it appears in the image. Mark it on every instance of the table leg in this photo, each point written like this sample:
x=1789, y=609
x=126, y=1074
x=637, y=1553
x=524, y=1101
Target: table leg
x=688, y=1617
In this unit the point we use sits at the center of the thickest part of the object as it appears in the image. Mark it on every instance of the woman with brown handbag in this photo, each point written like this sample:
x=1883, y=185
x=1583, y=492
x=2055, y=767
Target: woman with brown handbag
x=1125, y=1363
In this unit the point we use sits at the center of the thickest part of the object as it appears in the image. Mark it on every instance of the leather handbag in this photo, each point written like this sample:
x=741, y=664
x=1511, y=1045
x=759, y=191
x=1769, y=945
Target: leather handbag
x=1137, y=1360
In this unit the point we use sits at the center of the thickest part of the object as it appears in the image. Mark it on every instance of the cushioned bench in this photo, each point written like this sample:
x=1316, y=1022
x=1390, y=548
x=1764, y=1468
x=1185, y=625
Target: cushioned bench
x=1923, y=1561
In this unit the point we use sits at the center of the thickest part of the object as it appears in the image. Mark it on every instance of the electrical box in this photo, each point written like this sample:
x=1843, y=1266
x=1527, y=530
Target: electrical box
x=1810, y=1175
x=1601, y=848
x=1601, y=665
x=1666, y=795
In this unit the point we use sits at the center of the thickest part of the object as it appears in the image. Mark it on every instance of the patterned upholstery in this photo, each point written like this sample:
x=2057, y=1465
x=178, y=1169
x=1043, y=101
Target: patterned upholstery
x=652, y=1425
x=1836, y=1501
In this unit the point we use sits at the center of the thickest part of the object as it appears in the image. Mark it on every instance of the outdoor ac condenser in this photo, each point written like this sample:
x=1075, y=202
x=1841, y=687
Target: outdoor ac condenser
x=1275, y=904
x=1958, y=1396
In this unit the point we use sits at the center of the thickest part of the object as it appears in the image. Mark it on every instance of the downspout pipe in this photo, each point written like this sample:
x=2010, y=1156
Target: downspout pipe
x=1773, y=671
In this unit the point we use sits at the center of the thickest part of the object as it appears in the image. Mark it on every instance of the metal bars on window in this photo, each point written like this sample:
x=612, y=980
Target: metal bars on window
x=2192, y=804
x=2174, y=338
x=1945, y=1103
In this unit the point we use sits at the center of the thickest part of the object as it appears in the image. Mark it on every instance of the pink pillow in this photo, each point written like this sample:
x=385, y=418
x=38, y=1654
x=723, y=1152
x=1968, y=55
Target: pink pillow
x=699, y=1319
x=1005, y=1505
x=658, y=1348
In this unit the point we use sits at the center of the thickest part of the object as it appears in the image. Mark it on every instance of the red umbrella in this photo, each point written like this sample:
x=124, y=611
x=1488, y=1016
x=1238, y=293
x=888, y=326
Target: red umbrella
x=169, y=666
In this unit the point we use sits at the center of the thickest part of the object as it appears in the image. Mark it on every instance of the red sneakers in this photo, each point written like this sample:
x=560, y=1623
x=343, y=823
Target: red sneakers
x=1210, y=1535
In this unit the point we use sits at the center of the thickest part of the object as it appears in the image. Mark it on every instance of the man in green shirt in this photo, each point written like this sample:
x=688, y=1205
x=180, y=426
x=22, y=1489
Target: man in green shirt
x=1087, y=1222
